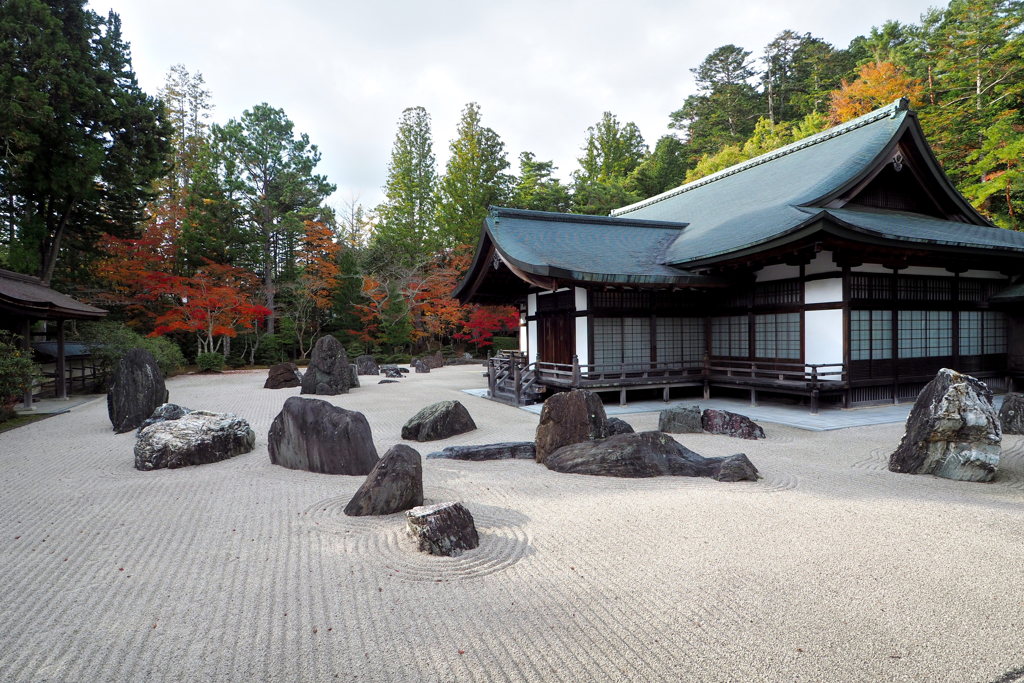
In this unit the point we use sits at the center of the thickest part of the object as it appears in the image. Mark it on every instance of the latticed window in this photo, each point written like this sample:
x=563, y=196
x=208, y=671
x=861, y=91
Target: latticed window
x=619, y=341
x=864, y=286
x=870, y=335
x=730, y=336
x=925, y=334
x=777, y=335
x=774, y=293
x=679, y=339
x=982, y=332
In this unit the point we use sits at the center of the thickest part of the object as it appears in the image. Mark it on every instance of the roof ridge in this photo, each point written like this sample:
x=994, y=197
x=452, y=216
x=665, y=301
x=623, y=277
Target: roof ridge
x=500, y=212
x=888, y=111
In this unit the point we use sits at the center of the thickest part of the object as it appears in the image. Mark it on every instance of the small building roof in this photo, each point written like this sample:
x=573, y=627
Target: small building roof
x=26, y=296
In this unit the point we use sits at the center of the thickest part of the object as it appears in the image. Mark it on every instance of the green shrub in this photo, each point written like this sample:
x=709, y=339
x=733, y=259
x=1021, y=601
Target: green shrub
x=398, y=358
x=109, y=341
x=235, y=362
x=271, y=350
x=17, y=372
x=210, y=361
x=504, y=344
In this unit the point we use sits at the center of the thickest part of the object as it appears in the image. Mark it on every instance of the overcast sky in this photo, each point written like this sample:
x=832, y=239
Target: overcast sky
x=542, y=71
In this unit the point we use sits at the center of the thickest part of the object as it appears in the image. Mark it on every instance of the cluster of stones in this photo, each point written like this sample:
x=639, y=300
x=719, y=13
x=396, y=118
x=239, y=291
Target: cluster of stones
x=574, y=437
x=317, y=436
x=691, y=420
x=953, y=430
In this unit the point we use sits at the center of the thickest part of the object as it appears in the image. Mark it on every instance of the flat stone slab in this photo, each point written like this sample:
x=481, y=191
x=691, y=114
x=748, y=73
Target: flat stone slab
x=730, y=424
x=511, y=450
x=680, y=420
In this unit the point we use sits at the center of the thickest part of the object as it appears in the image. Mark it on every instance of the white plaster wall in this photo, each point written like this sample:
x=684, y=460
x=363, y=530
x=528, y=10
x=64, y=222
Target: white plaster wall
x=822, y=263
x=531, y=341
x=926, y=270
x=582, y=347
x=531, y=304
x=523, y=341
x=581, y=299
x=823, y=291
x=779, y=271
x=990, y=274
x=875, y=268
x=823, y=336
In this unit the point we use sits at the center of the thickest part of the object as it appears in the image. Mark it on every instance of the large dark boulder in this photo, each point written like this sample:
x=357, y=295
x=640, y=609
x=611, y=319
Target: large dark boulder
x=434, y=360
x=680, y=420
x=438, y=421
x=367, y=365
x=197, y=437
x=644, y=454
x=394, y=484
x=442, y=529
x=952, y=431
x=1011, y=415
x=509, y=450
x=283, y=376
x=420, y=366
x=391, y=372
x=316, y=436
x=730, y=424
x=568, y=418
x=328, y=373
x=136, y=390
x=353, y=375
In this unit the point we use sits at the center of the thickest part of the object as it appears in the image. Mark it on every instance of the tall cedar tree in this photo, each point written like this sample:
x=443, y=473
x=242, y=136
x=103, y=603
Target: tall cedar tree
x=537, y=189
x=81, y=141
x=406, y=230
x=473, y=180
x=662, y=170
x=612, y=151
x=270, y=173
x=726, y=107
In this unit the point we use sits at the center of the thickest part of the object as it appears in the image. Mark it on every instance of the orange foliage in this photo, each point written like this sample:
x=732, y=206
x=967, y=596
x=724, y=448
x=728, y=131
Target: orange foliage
x=318, y=257
x=877, y=85
x=215, y=302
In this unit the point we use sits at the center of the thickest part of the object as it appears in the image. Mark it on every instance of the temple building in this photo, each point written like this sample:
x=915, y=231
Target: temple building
x=843, y=267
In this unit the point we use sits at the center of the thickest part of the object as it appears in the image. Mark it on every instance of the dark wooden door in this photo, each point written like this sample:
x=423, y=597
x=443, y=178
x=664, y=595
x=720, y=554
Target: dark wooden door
x=556, y=337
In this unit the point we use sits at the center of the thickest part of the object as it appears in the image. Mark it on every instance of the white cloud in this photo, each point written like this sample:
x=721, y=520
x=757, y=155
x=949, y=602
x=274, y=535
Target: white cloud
x=542, y=71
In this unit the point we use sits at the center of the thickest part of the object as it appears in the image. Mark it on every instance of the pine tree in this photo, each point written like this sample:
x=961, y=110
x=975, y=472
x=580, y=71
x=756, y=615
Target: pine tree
x=473, y=180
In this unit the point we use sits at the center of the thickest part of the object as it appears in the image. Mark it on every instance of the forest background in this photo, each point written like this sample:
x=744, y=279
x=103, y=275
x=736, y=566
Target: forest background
x=217, y=236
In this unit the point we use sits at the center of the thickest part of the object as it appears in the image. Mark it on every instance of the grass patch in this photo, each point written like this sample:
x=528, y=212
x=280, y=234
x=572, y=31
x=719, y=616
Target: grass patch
x=20, y=421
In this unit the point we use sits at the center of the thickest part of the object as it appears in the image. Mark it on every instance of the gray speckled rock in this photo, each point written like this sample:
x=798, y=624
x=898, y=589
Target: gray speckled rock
x=136, y=390
x=438, y=421
x=354, y=375
x=509, y=450
x=567, y=418
x=198, y=437
x=1011, y=415
x=388, y=381
x=420, y=366
x=680, y=420
x=367, y=365
x=394, y=484
x=952, y=431
x=328, y=373
x=316, y=436
x=730, y=424
x=391, y=372
x=168, y=411
x=442, y=529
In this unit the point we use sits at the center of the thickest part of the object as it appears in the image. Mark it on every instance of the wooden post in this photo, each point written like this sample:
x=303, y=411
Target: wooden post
x=576, y=374
x=664, y=394
x=622, y=396
x=814, y=390
x=491, y=378
x=60, y=379
x=517, y=374
x=26, y=345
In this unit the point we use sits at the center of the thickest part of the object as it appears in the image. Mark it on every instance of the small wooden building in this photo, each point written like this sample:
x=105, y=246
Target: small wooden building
x=845, y=265
x=24, y=300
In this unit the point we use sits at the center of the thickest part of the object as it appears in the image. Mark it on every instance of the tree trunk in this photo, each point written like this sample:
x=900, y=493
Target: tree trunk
x=268, y=269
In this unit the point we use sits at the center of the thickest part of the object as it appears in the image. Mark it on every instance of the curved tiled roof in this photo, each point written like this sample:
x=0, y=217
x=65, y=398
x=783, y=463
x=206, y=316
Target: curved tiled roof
x=27, y=296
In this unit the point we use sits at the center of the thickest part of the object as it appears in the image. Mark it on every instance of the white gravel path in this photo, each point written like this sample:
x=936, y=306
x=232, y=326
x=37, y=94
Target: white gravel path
x=829, y=569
